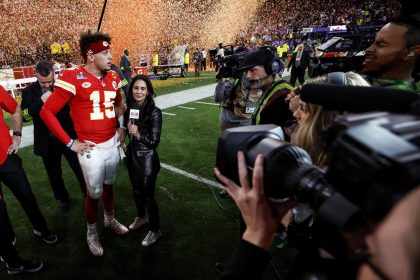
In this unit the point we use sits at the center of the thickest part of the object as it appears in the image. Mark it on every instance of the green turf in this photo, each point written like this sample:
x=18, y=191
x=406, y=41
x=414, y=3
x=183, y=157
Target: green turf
x=197, y=232
x=177, y=84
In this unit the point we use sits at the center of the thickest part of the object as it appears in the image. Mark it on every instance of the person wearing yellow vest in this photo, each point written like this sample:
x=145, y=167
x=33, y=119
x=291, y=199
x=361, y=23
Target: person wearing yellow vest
x=155, y=62
x=262, y=67
x=65, y=48
x=55, y=48
x=186, y=62
x=285, y=51
x=279, y=50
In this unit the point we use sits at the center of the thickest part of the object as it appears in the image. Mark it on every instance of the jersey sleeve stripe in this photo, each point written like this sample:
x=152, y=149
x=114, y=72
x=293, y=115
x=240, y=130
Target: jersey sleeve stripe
x=66, y=86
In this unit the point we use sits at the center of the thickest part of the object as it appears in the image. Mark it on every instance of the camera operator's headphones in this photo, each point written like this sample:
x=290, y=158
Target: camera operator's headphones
x=273, y=65
x=337, y=78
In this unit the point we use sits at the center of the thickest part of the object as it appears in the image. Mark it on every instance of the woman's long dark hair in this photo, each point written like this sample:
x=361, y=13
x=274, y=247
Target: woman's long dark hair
x=149, y=103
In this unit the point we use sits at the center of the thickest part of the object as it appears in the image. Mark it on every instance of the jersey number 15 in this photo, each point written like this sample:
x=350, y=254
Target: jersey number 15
x=108, y=105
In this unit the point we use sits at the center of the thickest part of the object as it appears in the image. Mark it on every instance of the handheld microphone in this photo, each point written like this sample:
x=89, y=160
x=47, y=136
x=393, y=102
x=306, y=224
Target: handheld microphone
x=359, y=99
x=134, y=114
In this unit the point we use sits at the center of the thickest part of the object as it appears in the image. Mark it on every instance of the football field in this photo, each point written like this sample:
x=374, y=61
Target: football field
x=199, y=228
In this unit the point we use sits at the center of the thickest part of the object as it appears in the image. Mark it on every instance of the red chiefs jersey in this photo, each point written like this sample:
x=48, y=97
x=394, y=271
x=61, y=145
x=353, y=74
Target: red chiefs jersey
x=91, y=101
x=8, y=104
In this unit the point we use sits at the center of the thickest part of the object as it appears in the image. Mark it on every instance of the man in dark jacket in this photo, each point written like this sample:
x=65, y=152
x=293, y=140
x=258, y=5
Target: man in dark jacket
x=299, y=62
x=126, y=66
x=46, y=145
x=14, y=177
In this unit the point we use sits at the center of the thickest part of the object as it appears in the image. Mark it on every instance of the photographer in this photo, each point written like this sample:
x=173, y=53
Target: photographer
x=238, y=101
x=261, y=217
x=396, y=236
x=263, y=68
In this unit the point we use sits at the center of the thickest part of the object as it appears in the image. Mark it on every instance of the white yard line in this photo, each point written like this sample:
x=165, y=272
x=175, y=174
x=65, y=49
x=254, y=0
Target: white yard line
x=191, y=176
x=170, y=114
x=207, y=103
x=188, y=108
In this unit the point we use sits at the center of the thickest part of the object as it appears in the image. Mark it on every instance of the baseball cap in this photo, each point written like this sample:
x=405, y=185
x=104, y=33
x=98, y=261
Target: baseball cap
x=258, y=57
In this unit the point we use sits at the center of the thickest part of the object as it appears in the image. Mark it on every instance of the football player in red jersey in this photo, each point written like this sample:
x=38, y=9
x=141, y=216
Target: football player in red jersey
x=94, y=95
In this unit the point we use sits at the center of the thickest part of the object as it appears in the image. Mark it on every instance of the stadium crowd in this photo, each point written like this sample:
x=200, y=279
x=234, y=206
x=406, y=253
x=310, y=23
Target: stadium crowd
x=27, y=43
x=23, y=44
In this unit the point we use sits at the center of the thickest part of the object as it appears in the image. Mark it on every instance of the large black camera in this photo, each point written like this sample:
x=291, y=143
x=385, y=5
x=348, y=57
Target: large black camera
x=233, y=59
x=375, y=161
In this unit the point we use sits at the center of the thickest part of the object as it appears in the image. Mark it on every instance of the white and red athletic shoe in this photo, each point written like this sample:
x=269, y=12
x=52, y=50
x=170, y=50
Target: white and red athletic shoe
x=94, y=245
x=116, y=227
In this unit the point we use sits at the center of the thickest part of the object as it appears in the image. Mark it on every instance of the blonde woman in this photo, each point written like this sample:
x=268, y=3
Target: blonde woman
x=313, y=120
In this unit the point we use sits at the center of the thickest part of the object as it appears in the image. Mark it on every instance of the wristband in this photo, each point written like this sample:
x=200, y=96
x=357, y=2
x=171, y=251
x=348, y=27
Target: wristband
x=17, y=133
x=121, y=121
x=69, y=144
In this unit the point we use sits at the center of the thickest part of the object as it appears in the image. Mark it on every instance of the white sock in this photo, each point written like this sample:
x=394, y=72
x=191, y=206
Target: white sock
x=109, y=217
x=91, y=228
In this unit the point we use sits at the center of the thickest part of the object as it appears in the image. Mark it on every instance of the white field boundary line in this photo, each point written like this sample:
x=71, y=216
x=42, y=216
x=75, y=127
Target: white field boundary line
x=170, y=114
x=207, y=103
x=188, y=108
x=191, y=176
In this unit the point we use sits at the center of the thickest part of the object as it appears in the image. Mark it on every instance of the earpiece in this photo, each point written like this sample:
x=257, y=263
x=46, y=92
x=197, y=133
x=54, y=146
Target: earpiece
x=273, y=65
x=411, y=53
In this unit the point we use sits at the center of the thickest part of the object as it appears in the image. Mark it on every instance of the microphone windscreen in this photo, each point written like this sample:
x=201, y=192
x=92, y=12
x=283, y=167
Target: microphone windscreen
x=358, y=99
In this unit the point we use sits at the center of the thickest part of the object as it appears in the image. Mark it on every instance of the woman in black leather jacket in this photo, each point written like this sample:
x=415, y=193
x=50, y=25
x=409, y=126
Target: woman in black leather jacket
x=143, y=162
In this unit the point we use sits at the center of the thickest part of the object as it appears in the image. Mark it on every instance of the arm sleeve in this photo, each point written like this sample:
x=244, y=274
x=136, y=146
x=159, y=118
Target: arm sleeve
x=152, y=139
x=7, y=102
x=54, y=104
x=247, y=262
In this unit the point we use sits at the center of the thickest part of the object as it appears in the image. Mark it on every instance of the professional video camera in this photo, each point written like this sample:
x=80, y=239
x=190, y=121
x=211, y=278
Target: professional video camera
x=233, y=59
x=375, y=159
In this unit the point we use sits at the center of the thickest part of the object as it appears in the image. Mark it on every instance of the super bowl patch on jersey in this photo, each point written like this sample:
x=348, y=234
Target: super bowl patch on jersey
x=81, y=76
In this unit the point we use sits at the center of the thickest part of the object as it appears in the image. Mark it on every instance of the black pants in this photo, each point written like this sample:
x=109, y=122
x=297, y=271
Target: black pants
x=297, y=73
x=7, y=249
x=52, y=163
x=14, y=177
x=142, y=170
x=196, y=70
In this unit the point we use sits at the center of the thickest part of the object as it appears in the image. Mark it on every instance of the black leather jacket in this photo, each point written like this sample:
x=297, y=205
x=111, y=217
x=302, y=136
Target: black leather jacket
x=142, y=156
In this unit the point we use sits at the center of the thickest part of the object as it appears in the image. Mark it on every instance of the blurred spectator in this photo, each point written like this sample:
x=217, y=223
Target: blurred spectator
x=298, y=63
x=197, y=58
x=204, y=60
x=125, y=65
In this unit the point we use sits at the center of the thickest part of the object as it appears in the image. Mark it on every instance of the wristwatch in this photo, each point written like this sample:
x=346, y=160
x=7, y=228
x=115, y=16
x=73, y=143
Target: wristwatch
x=17, y=133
